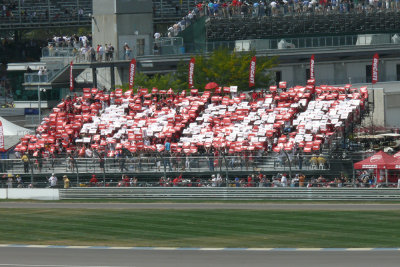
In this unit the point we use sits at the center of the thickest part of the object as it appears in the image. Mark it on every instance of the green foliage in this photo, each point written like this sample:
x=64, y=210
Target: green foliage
x=227, y=68
x=222, y=66
x=160, y=81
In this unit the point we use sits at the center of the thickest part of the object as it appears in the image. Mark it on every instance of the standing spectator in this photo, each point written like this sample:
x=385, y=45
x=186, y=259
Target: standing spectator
x=111, y=52
x=66, y=182
x=93, y=181
x=20, y=183
x=284, y=180
x=101, y=53
x=53, y=181
x=25, y=160
x=127, y=51
x=10, y=181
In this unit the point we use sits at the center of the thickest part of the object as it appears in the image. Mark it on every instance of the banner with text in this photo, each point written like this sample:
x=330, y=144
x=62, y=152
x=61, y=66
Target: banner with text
x=132, y=71
x=252, y=72
x=191, y=72
x=312, y=74
x=375, y=62
x=71, y=77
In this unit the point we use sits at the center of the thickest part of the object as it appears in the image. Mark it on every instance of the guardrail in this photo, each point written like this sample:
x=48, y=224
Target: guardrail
x=232, y=193
x=165, y=164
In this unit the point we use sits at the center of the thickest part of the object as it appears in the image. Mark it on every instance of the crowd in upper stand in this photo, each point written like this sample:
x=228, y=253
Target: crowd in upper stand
x=267, y=8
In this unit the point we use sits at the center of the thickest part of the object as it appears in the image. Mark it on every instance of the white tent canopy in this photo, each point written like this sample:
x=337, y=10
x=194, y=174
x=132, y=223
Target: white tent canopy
x=12, y=133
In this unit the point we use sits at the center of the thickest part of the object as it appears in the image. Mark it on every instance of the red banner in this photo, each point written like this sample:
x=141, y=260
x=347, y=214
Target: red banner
x=375, y=62
x=312, y=74
x=191, y=72
x=1, y=137
x=132, y=71
x=71, y=77
x=252, y=72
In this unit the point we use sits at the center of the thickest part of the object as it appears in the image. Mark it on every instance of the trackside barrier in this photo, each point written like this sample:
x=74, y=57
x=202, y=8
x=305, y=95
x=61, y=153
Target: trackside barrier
x=233, y=193
x=29, y=193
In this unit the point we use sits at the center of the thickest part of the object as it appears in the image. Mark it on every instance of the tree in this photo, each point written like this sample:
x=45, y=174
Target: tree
x=160, y=81
x=227, y=68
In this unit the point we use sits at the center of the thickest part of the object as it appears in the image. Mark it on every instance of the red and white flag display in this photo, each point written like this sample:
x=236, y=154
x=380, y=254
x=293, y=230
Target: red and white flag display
x=71, y=77
x=312, y=74
x=375, y=62
x=252, y=72
x=1, y=137
x=191, y=72
x=132, y=71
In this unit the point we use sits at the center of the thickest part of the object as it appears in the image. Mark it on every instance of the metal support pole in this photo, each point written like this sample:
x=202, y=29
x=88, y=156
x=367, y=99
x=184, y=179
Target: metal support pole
x=77, y=171
x=104, y=172
x=19, y=11
x=39, y=105
x=77, y=8
x=94, y=75
x=112, y=70
x=48, y=5
x=31, y=165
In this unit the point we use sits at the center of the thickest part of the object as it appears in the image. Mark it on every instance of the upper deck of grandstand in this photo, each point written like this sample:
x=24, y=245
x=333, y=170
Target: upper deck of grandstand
x=218, y=29
x=30, y=14
x=27, y=14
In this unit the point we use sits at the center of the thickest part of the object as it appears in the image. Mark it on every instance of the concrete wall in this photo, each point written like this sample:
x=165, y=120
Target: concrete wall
x=119, y=22
x=338, y=72
x=22, y=193
x=134, y=6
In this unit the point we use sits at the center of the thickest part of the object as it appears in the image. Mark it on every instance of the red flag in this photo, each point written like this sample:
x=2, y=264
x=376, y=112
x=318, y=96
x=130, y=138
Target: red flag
x=312, y=74
x=132, y=71
x=191, y=72
x=71, y=77
x=375, y=62
x=252, y=72
x=1, y=137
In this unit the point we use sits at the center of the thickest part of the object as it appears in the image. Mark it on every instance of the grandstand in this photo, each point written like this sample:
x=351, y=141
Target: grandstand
x=228, y=29
x=196, y=134
x=33, y=14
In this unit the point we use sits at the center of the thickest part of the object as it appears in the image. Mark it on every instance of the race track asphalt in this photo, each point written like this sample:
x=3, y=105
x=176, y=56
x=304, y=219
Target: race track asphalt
x=58, y=257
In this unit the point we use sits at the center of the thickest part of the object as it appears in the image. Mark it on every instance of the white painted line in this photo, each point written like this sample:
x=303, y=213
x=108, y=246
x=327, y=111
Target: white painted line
x=79, y=247
x=41, y=265
x=309, y=249
x=260, y=249
x=359, y=249
x=164, y=248
x=211, y=249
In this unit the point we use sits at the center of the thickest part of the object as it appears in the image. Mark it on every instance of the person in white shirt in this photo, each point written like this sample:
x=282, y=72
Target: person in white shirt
x=53, y=181
x=284, y=180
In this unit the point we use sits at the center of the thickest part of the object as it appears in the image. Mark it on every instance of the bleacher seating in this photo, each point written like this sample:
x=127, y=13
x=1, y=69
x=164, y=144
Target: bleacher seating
x=167, y=8
x=231, y=29
x=40, y=11
x=305, y=117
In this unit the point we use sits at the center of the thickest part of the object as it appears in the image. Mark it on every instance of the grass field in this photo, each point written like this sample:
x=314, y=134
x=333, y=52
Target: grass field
x=200, y=228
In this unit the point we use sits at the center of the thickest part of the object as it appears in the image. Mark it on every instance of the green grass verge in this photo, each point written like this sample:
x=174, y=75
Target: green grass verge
x=200, y=228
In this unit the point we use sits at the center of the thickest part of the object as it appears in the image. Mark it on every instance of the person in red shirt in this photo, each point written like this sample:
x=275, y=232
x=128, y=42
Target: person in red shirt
x=93, y=181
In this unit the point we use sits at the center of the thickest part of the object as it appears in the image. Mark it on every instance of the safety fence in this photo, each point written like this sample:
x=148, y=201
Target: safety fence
x=233, y=193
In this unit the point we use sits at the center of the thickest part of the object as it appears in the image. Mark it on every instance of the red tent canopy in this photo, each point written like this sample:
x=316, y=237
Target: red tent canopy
x=380, y=160
x=397, y=155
